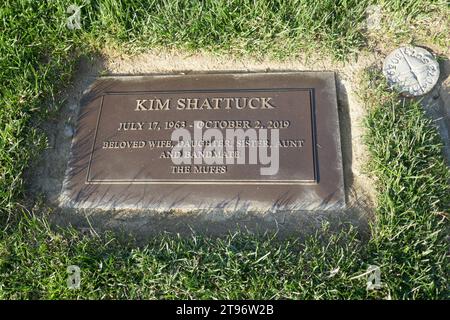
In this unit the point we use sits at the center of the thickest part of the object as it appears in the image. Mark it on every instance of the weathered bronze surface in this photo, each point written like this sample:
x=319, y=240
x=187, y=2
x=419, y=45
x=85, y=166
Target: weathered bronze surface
x=123, y=155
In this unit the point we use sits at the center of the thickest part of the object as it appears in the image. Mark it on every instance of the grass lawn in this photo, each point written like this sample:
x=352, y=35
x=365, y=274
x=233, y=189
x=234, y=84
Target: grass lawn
x=409, y=235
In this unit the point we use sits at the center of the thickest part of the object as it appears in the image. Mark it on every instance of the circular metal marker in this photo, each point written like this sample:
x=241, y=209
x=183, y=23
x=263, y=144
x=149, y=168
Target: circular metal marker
x=411, y=70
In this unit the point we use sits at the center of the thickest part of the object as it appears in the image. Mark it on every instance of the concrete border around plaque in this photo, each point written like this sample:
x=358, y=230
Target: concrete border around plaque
x=121, y=151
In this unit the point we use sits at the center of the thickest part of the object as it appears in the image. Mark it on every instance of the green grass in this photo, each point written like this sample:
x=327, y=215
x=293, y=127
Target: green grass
x=409, y=234
x=37, y=58
x=239, y=266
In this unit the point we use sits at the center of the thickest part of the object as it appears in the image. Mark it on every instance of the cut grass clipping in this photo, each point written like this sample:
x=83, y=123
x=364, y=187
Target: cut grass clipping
x=37, y=57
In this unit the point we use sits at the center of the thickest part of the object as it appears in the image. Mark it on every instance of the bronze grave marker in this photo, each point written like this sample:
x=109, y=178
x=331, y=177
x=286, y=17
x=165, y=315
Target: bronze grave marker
x=245, y=141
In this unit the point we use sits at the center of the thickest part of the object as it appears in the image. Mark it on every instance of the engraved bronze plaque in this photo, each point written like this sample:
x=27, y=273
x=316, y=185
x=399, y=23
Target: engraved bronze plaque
x=253, y=141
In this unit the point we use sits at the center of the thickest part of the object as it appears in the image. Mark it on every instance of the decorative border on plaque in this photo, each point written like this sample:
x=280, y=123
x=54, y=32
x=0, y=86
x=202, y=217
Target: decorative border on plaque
x=312, y=105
